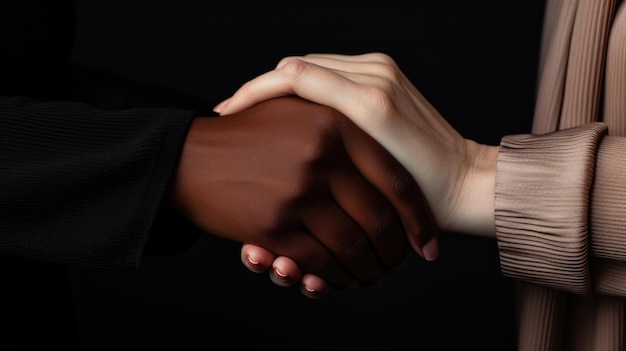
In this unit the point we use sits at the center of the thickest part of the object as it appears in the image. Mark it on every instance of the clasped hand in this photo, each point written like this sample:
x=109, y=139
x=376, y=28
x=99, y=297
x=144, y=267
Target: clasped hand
x=301, y=181
x=456, y=175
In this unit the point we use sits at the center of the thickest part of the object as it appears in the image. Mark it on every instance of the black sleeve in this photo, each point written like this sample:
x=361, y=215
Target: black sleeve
x=82, y=185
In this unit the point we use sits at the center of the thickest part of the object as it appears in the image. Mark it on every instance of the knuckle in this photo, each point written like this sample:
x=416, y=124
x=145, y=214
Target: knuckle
x=271, y=228
x=380, y=97
x=389, y=72
x=326, y=140
x=390, y=236
x=403, y=185
x=386, y=64
x=284, y=60
x=383, y=222
x=275, y=222
x=358, y=250
x=328, y=118
x=294, y=68
x=377, y=97
x=382, y=57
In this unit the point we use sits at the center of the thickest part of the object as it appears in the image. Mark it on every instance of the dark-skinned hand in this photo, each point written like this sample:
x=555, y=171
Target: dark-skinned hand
x=302, y=181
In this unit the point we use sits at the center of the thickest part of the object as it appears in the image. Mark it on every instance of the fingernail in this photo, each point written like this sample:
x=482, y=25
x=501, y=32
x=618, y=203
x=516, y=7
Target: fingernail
x=221, y=106
x=431, y=249
x=309, y=292
x=253, y=261
x=280, y=274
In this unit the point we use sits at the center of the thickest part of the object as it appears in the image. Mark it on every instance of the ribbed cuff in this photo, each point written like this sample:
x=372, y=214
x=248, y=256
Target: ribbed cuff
x=542, y=204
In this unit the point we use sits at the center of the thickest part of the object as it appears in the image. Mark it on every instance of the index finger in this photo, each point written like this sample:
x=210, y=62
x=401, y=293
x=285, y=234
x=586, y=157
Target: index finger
x=297, y=77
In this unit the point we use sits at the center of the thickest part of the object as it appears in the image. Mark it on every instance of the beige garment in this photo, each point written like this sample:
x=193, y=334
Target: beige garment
x=561, y=191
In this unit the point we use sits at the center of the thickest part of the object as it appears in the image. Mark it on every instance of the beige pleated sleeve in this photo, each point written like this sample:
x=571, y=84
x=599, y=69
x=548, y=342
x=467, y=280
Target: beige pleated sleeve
x=560, y=209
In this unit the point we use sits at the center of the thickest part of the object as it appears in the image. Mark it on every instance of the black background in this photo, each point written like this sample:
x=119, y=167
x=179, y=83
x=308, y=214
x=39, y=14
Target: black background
x=475, y=61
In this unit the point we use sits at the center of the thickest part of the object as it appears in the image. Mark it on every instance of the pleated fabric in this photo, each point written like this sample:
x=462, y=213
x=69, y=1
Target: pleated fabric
x=583, y=79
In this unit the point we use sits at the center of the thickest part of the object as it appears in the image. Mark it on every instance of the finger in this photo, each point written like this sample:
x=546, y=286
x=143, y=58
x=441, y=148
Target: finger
x=341, y=235
x=307, y=76
x=285, y=272
x=365, y=204
x=264, y=87
x=296, y=77
x=369, y=64
x=376, y=57
x=314, y=287
x=256, y=258
x=347, y=63
x=313, y=258
x=396, y=184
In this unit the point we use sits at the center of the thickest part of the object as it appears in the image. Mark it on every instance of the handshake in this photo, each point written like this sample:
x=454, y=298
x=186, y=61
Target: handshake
x=331, y=187
x=303, y=186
